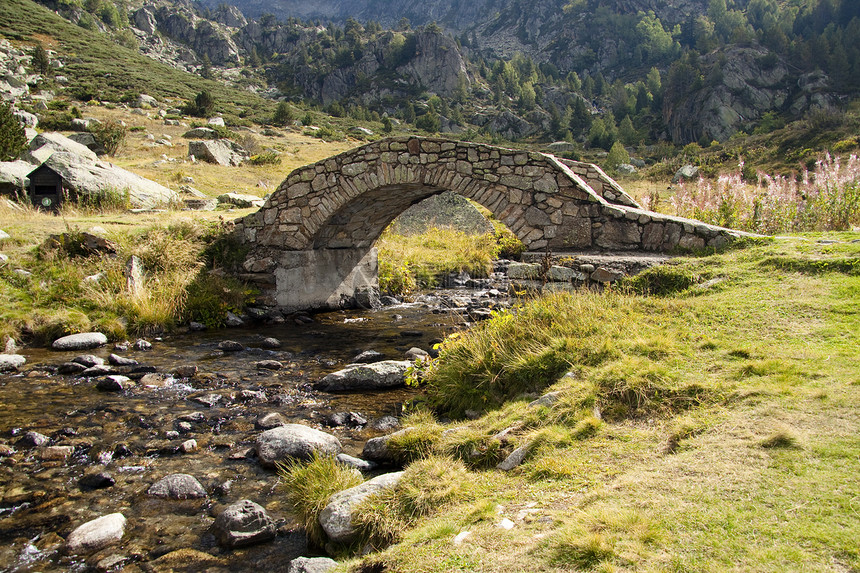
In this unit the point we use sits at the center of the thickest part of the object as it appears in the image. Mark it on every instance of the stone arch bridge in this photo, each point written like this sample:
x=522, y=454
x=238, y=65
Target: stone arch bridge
x=311, y=244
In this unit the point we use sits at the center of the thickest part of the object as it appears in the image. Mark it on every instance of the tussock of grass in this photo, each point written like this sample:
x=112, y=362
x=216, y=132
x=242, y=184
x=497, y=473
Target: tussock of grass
x=783, y=437
x=427, y=487
x=308, y=487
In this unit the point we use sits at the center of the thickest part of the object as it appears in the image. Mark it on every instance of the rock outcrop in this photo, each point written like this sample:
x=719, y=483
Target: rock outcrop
x=336, y=517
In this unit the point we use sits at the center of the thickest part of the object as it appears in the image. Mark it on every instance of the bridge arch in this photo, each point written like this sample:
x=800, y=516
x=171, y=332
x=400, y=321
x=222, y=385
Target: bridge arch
x=311, y=244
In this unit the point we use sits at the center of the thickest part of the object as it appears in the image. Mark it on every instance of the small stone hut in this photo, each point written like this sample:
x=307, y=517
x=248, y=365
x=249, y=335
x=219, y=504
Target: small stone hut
x=46, y=188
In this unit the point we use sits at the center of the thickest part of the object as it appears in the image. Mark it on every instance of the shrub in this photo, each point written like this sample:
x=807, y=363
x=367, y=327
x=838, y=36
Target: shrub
x=266, y=158
x=110, y=135
x=202, y=106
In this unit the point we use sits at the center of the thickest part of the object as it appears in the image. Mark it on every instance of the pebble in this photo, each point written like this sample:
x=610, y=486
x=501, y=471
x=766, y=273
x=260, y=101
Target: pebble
x=89, y=360
x=187, y=371
x=113, y=383
x=57, y=453
x=188, y=446
x=117, y=360
x=268, y=365
x=142, y=345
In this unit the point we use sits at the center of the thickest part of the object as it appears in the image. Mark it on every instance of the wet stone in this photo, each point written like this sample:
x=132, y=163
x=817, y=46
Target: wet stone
x=270, y=343
x=268, y=365
x=98, y=370
x=33, y=440
x=355, y=463
x=117, y=360
x=70, y=368
x=113, y=383
x=230, y=346
x=96, y=534
x=243, y=523
x=349, y=419
x=177, y=486
x=186, y=371
x=251, y=396
x=97, y=480
x=269, y=421
x=208, y=400
x=142, y=345
x=83, y=341
x=368, y=357
x=89, y=360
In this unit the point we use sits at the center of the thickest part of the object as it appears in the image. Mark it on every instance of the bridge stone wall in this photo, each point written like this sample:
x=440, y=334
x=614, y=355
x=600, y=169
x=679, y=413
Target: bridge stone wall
x=342, y=204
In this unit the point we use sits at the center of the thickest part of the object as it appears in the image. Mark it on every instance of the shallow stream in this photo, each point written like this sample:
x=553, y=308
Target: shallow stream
x=134, y=436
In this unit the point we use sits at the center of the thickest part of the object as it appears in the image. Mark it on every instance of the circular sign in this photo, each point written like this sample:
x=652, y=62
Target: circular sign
x=46, y=201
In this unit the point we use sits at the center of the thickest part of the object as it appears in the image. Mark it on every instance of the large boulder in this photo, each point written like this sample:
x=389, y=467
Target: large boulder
x=685, y=173
x=294, y=441
x=336, y=517
x=218, y=151
x=13, y=175
x=243, y=523
x=376, y=376
x=49, y=142
x=96, y=534
x=85, y=177
x=82, y=341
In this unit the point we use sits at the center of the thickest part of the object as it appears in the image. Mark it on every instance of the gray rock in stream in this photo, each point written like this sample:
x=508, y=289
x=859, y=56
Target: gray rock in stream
x=311, y=565
x=82, y=341
x=336, y=517
x=376, y=376
x=96, y=534
x=368, y=357
x=243, y=523
x=294, y=441
x=89, y=360
x=177, y=486
x=10, y=362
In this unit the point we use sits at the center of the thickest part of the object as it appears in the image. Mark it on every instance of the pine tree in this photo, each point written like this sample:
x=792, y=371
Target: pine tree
x=283, y=114
x=13, y=138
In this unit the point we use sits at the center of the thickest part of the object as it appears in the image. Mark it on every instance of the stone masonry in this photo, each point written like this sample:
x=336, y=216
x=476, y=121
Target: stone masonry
x=330, y=213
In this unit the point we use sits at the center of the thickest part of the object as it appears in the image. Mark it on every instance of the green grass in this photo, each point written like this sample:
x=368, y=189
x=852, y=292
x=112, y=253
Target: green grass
x=308, y=487
x=712, y=428
x=58, y=298
x=119, y=73
x=409, y=261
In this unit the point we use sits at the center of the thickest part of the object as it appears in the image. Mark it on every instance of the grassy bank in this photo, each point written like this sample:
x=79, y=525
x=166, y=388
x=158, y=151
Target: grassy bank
x=53, y=287
x=713, y=427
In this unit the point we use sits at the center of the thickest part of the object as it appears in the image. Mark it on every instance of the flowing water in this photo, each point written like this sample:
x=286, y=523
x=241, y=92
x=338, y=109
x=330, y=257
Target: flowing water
x=134, y=436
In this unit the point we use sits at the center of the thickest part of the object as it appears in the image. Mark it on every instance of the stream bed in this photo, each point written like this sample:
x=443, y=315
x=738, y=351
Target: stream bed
x=136, y=436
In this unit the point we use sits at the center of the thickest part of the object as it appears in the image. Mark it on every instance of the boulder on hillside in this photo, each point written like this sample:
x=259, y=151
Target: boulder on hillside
x=240, y=200
x=294, y=441
x=218, y=151
x=88, y=139
x=201, y=133
x=336, y=517
x=375, y=376
x=13, y=176
x=684, y=173
x=45, y=144
x=84, y=177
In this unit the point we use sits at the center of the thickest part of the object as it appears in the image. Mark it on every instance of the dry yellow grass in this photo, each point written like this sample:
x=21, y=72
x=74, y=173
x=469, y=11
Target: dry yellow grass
x=147, y=158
